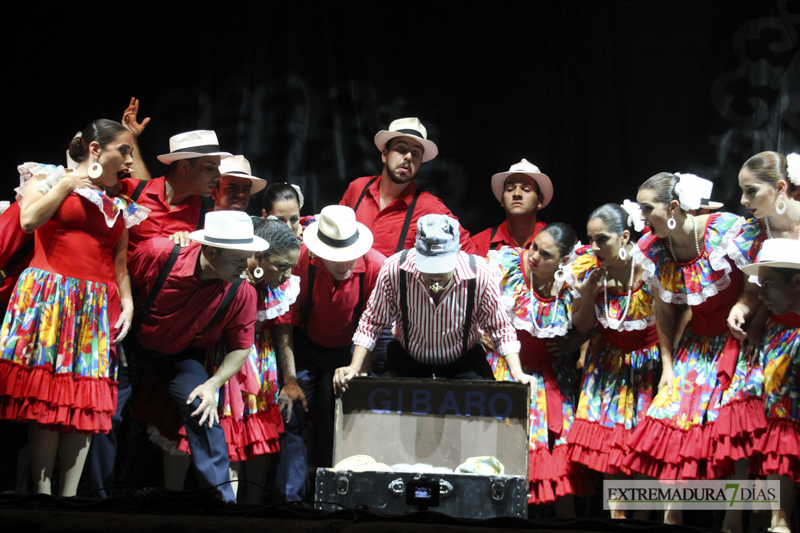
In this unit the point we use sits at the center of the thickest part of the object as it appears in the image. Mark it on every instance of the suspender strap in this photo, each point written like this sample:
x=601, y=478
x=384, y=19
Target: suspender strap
x=403, y=298
x=226, y=301
x=16, y=259
x=370, y=182
x=360, y=306
x=137, y=192
x=162, y=277
x=494, y=232
x=470, y=306
x=312, y=273
x=409, y=215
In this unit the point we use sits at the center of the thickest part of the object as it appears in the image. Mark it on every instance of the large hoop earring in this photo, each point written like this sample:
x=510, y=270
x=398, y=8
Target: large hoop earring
x=623, y=253
x=258, y=272
x=95, y=170
x=780, y=206
x=672, y=223
x=560, y=275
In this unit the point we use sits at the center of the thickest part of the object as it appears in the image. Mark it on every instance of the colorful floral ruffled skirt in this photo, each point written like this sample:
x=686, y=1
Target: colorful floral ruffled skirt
x=57, y=365
x=777, y=450
x=616, y=392
x=551, y=474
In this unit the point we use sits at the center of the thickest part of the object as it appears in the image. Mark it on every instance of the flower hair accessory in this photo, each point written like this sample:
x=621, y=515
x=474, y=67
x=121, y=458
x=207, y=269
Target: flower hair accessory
x=299, y=194
x=689, y=196
x=793, y=168
x=634, y=215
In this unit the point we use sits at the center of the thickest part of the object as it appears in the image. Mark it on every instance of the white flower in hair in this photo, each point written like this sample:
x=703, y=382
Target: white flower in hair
x=793, y=168
x=634, y=215
x=299, y=194
x=689, y=196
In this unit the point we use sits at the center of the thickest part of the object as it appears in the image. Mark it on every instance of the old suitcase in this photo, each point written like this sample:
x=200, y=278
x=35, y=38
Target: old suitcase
x=432, y=426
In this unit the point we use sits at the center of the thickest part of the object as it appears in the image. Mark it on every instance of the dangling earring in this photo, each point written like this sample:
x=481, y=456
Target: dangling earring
x=780, y=206
x=560, y=275
x=258, y=272
x=95, y=170
x=623, y=253
x=672, y=223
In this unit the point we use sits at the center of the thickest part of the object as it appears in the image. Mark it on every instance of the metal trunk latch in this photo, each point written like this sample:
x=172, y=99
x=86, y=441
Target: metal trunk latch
x=397, y=487
x=498, y=488
x=445, y=488
x=343, y=483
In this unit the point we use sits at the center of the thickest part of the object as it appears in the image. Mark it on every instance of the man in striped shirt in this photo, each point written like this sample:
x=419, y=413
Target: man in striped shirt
x=443, y=298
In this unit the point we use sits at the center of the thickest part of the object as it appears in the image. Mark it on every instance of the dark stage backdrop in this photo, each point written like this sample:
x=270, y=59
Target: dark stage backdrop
x=600, y=95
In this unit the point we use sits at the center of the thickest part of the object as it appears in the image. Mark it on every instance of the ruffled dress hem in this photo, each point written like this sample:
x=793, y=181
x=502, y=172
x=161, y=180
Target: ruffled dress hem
x=777, y=449
x=599, y=447
x=736, y=431
x=551, y=475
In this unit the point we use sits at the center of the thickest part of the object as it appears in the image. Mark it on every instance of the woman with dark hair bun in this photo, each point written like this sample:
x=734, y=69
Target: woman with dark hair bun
x=71, y=306
x=622, y=359
x=284, y=201
x=539, y=301
x=685, y=259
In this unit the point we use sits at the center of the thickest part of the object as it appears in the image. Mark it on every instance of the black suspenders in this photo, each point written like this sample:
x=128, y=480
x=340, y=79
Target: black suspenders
x=409, y=214
x=312, y=274
x=471, y=284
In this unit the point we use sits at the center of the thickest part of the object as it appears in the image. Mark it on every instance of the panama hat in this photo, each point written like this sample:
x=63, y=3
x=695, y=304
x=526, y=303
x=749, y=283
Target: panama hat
x=704, y=188
x=239, y=167
x=336, y=236
x=408, y=127
x=529, y=169
x=199, y=143
x=229, y=229
x=776, y=253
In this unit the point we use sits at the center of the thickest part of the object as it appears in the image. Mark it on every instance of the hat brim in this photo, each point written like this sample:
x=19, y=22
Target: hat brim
x=258, y=184
x=437, y=264
x=752, y=269
x=430, y=150
x=257, y=245
x=711, y=205
x=331, y=253
x=168, y=159
x=544, y=183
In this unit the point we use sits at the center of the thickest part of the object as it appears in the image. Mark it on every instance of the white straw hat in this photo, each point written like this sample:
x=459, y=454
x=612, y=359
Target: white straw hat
x=191, y=144
x=239, y=167
x=408, y=127
x=336, y=236
x=229, y=229
x=776, y=253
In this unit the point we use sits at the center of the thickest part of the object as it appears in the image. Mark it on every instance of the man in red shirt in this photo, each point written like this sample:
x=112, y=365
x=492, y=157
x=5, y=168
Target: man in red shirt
x=337, y=271
x=390, y=204
x=200, y=300
x=176, y=200
x=233, y=190
x=522, y=192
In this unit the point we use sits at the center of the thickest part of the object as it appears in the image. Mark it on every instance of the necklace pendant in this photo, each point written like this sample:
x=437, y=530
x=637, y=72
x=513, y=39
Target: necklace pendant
x=436, y=288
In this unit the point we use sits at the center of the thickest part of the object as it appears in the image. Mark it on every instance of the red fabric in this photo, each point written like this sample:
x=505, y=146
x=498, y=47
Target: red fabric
x=185, y=304
x=484, y=242
x=791, y=320
x=62, y=402
x=599, y=447
x=726, y=363
x=662, y=451
x=552, y=475
x=333, y=320
x=777, y=449
x=164, y=219
x=631, y=341
x=710, y=318
x=534, y=355
x=736, y=430
x=12, y=238
x=387, y=224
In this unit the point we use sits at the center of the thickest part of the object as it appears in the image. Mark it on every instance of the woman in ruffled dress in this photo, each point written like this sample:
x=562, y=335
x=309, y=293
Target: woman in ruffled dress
x=622, y=360
x=769, y=183
x=539, y=302
x=685, y=260
x=71, y=306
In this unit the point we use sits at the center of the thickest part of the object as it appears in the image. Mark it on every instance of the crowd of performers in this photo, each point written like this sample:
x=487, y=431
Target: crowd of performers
x=228, y=329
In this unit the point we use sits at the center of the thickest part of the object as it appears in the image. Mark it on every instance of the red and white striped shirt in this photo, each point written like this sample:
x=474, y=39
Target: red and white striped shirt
x=435, y=330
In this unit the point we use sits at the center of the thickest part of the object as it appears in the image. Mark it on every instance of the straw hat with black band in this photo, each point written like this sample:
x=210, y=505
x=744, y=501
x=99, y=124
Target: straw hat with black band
x=239, y=167
x=229, y=229
x=336, y=236
x=191, y=144
x=408, y=127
